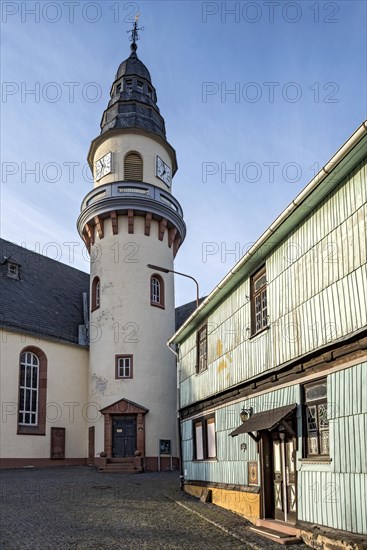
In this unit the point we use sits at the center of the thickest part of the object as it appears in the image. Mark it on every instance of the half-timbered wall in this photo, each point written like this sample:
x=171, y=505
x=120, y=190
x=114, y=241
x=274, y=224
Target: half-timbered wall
x=316, y=289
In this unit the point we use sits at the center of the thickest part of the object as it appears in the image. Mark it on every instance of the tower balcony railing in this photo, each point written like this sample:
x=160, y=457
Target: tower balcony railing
x=131, y=189
x=139, y=197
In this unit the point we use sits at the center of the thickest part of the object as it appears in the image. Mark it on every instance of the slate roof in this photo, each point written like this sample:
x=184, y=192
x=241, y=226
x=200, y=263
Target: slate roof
x=183, y=312
x=132, y=66
x=46, y=300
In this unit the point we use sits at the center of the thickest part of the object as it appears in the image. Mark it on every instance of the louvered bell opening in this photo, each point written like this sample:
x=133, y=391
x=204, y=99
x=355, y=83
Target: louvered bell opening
x=133, y=167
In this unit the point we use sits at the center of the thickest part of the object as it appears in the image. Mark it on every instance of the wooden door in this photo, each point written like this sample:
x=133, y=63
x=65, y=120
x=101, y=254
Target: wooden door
x=124, y=436
x=58, y=443
x=284, y=477
x=91, y=448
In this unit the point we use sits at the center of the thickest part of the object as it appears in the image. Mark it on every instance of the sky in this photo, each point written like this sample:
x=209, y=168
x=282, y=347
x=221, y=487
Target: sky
x=257, y=96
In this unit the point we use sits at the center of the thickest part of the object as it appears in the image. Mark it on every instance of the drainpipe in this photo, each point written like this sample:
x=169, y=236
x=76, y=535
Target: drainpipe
x=178, y=412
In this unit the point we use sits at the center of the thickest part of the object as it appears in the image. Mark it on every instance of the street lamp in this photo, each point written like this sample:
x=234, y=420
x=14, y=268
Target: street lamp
x=165, y=270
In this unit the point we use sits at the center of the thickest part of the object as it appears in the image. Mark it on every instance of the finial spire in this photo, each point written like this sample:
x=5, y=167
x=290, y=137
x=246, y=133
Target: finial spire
x=134, y=34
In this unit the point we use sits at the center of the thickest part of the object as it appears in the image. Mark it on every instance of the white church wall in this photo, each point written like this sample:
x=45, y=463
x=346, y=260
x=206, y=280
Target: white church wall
x=67, y=398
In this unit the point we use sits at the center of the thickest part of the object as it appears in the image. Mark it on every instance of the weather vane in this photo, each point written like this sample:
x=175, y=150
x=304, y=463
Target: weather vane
x=134, y=34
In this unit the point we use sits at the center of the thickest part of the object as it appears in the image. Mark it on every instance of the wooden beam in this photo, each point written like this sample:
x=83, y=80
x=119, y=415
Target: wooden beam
x=114, y=221
x=130, y=221
x=148, y=221
x=100, y=226
x=176, y=245
x=86, y=239
x=90, y=232
x=288, y=428
x=171, y=236
x=254, y=437
x=162, y=228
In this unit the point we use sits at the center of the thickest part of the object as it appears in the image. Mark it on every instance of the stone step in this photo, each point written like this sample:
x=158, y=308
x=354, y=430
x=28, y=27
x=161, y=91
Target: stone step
x=278, y=525
x=276, y=536
x=122, y=460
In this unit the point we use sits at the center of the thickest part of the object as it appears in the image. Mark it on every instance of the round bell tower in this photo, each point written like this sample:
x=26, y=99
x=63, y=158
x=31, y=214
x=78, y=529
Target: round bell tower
x=128, y=221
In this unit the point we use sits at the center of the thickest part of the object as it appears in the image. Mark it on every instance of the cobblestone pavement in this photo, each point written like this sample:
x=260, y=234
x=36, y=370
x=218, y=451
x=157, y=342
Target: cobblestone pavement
x=78, y=508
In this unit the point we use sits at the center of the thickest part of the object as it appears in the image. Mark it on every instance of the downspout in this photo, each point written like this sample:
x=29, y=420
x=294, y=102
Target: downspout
x=178, y=364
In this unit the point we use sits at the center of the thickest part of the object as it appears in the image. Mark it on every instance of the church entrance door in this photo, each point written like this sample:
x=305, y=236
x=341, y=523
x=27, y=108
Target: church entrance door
x=123, y=436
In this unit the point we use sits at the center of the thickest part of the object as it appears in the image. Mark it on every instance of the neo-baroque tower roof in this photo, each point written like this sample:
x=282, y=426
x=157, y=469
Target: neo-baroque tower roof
x=133, y=102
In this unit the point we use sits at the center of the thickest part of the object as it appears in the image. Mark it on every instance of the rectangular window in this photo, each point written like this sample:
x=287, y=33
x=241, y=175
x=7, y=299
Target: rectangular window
x=124, y=366
x=204, y=438
x=316, y=420
x=259, y=308
x=140, y=86
x=202, y=348
x=128, y=85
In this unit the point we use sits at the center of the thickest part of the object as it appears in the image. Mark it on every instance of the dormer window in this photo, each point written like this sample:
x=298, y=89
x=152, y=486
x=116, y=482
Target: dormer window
x=13, y=271
x=12, y=268
x=140, y=86
x=128, y=85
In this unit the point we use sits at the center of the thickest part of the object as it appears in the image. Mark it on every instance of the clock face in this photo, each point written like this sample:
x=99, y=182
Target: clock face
x=103, y=166
x=163, y=171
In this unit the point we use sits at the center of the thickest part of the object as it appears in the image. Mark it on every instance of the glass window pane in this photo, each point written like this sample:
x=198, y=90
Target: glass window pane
x=199, y=441
x=316, y=392
x=28, y=376
x=22, y=375
x=324, y=442
x=34, y=401
x=212, y=452
x=312, y=443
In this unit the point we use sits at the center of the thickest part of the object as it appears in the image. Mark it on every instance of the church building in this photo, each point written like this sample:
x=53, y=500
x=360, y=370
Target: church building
x=87, y=376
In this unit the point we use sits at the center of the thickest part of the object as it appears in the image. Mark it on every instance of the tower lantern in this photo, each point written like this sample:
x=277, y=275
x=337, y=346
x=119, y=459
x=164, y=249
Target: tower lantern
x=129, y=220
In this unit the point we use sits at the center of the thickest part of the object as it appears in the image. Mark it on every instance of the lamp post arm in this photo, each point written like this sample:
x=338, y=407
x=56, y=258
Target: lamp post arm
x=192, y=278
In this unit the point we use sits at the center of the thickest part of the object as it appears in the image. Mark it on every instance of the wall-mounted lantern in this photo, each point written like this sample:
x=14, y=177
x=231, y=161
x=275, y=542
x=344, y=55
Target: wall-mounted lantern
x=245, y=414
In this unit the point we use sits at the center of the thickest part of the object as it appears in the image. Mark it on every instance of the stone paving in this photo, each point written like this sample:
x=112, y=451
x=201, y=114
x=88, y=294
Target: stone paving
x=79, y=508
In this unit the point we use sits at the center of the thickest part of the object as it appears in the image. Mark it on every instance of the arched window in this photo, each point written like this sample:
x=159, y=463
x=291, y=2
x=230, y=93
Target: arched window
x=133, y=167
x=157, y=291
x=96, y=293
x=32, y=391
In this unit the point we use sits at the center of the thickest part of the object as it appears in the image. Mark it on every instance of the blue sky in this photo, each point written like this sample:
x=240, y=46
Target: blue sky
x=257, y=96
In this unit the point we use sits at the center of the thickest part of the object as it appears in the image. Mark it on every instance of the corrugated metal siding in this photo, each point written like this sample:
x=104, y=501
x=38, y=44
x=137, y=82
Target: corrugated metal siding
x=231, y=464
x=335, y=500
x=337, y=496
x=332, y=494
x=348, y=417
x=317, y=291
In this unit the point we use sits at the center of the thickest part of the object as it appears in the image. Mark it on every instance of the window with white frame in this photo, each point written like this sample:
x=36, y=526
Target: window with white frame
x=124, y=366
x=204, y=438
x=316, y=419
x=156, y=291
x=96, y=293
x=13, y=270
x=28, y=389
